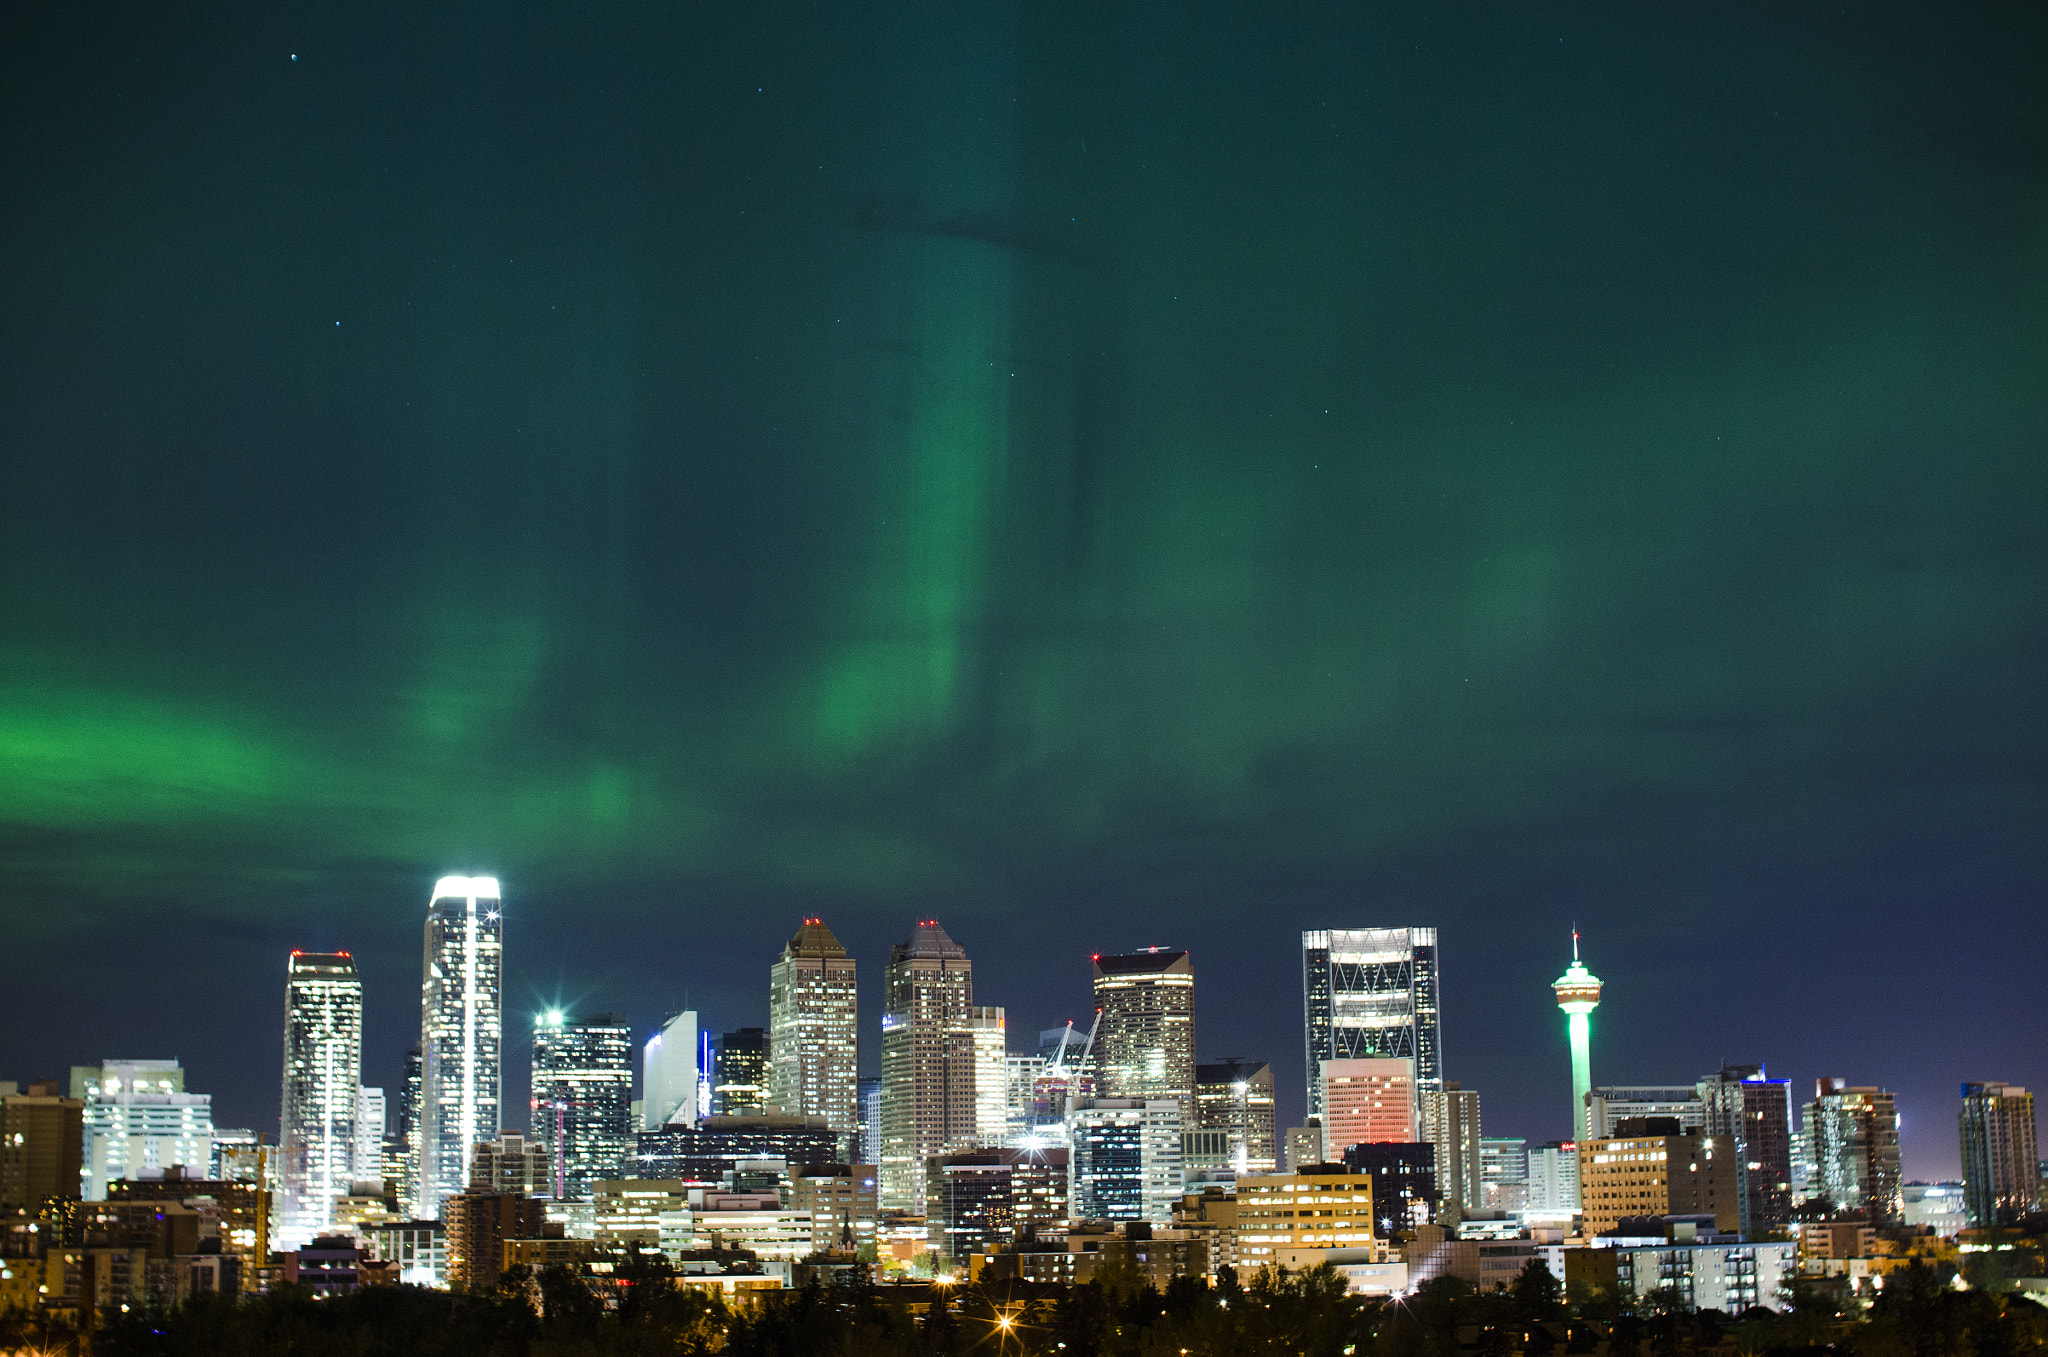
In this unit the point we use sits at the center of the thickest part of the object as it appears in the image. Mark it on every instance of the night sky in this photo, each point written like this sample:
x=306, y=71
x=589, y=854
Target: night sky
x=1094, y=474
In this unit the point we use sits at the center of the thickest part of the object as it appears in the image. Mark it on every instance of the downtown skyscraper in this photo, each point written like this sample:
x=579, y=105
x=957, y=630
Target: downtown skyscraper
x=928, y=1061
x=582, y=1099
x=814, y=1030
x=461, y=1033
x=1370, y=993
x=1145, y=1046
x=323, y=1077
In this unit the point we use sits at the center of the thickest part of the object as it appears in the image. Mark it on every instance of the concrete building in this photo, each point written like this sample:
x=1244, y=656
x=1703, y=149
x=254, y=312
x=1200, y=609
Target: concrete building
x=1367, y=1101
x=140, y=1120
x=739, y=1080
x=986, y=1040
x=418, y=1247
x=479, y=1224
x=582, y=1099
x=1125, y=1159
x=1743, y=1102
x=370, y=1119
x=1553, y=1183
x=1029, y=1120
x=929, y=1102
x=1212, y=1213
x=511, y=1164
x=1303, y=1146
x=1610, y=1105
x=1371, y=993
x=42, y=1136
x=842, y=1202
x=461, y=1032
x=1727, y=1277
x=1325, y=1207
x=1578, y=994
x=1236, y=1097
x=1652, y=1169
x=1145, y=1038
x=1938, y=1207
x=1450, y=1121
x=2001, y=1165
x=1855, y=1137
x=644, y=1215
x=814, y=1031
x=669, y=1074
x=1504, y=1171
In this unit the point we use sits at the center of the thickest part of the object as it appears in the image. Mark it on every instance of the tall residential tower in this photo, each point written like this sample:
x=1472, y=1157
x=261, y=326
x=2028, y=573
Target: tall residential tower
x=1370, y=993
x=323, y=1077
x=461, y=1033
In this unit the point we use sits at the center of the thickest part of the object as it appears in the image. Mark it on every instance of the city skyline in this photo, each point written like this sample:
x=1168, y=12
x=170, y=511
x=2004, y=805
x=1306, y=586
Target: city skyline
x=516, y=1072
x=1102, y=477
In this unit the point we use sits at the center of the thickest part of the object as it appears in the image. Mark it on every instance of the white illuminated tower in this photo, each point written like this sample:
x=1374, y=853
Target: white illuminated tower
x=461, y=1033
x=323, y=1078
x=1578, y=994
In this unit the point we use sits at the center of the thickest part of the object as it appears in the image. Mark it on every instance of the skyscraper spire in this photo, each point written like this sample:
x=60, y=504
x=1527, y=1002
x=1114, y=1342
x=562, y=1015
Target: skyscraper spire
x=1578, y=994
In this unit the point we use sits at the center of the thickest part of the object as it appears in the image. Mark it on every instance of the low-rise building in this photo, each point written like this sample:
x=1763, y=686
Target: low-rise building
x=841, y=1201
x=1654, y=1168
x=1324, y=1206
x=479, y=1223
x=1705, y=1276
x=418, y=1248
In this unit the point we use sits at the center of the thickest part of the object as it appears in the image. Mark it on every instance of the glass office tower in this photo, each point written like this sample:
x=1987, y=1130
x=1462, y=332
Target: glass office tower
x=582, y=1099
x=461, y=1033
x=323, y=1077
x=1371, y=993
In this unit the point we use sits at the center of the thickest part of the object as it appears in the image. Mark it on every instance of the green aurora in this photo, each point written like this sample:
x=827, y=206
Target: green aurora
x=1157, y=468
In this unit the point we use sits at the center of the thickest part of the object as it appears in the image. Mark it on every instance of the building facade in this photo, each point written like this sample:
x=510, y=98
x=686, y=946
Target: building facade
x=42, y=1137
x=1608, y=1106
x=139, y=1119
x=1405, y=1195
x=582, y=1099
x=1236, y=1097
x=320, y=1124
x=814, y=1030
x=704, y=1152
x=1371, y=993
x=1124, y=1160
x=1742, y=1101
x=1320, y=1209
x=669, y=1074
x=739, y=1073
x=1653, y=1168
x=1855, y=1137
x=1450, y=1121
x=461, y=1032
x=1145, y=1038
x=928, y=1061
x=2001, y=1170
x=1367, y=1101
x=1504, y=1174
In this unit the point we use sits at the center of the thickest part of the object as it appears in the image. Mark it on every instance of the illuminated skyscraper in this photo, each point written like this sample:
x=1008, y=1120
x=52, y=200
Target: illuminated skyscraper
x=1578, y=994
x=323, y=1084
x=582, y=1099
x=1741, y=1101
x=1236, y=1097
x=461, y=1033
x=2001, y=1176
x=407, y=1158
x=1855, y=1135
x=739, y=1082
x=1370, y=993
x=928, y=1065
x=1145, y=1046
x=814, y=1030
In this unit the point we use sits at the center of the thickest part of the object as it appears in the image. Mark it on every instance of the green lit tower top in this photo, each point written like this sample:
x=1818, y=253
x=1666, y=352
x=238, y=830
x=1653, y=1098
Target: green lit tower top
x=1578, y=994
